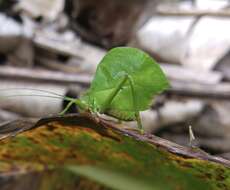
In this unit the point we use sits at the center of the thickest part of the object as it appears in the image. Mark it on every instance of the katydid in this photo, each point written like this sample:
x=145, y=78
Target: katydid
x=125, y=82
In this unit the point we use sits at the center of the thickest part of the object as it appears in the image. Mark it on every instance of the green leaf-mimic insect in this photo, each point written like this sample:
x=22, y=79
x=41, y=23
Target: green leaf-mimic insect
x=124, y=84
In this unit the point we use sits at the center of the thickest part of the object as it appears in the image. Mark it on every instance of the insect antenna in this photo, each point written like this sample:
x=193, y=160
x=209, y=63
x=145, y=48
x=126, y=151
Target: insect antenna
x=55, y=95
x=52, y=95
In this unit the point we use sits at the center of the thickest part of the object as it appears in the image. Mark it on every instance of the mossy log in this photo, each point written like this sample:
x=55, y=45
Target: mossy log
x=84, y=152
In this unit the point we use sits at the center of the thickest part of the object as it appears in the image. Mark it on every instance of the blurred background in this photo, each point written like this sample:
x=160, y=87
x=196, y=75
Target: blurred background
x=56, y=45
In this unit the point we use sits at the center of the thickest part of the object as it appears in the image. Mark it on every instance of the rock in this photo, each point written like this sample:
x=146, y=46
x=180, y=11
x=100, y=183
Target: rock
x=165, y=33
x=46, y=9
x=170, y=113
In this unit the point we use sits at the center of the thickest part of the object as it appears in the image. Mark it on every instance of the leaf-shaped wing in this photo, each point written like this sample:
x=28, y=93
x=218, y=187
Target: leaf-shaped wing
x=148, y=80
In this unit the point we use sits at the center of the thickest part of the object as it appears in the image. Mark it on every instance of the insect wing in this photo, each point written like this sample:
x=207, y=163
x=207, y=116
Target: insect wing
x=146, y=74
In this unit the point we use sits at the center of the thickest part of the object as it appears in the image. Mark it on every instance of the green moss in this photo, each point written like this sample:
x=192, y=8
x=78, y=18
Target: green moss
x=73, y=145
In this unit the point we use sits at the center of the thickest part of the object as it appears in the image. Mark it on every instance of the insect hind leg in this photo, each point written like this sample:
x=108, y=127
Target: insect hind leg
x=115, y=92
x=137, y=113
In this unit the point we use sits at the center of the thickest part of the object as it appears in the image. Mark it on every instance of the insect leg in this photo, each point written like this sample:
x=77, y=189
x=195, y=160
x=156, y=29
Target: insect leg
x=113, y=94
x=67, y=107
x=137, y=113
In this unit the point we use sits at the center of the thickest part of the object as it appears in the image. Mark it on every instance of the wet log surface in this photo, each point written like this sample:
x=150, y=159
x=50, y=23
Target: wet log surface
x=36, y=152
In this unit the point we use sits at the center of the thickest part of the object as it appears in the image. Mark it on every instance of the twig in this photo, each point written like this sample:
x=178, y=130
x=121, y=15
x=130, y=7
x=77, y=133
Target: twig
x=174, y=12
x=177, y=72
x=179, y=86
x=44, y=75
x=214, y=91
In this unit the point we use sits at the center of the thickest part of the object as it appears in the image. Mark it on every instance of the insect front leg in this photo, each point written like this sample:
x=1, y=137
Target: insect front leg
x=67, y=107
